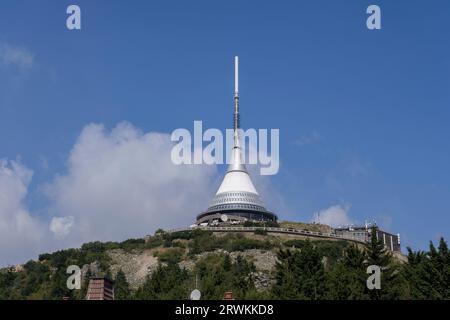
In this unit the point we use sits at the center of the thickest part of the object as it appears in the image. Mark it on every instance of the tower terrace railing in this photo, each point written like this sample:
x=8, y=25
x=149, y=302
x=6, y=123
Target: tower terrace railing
x=272, y=230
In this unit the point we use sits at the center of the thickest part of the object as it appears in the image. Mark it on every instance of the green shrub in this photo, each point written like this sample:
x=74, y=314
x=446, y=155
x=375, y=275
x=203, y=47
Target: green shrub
x=172, y=255
x=272, y=224
x=230, y=242
x=294, y=243
x=261, y=232
x=153, y=242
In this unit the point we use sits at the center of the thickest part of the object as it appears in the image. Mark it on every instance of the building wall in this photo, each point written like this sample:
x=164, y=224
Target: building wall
x=391, y=241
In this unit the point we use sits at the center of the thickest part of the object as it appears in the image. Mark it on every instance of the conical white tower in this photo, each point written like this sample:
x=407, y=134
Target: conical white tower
x=237, y=198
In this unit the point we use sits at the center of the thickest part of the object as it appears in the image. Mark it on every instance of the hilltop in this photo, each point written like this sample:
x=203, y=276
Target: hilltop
x=254, y=265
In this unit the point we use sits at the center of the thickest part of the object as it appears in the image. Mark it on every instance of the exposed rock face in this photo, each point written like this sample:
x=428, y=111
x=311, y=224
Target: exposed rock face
x=187, y=264
x=263, y=281
x=93, y=268
x=263, y=260
x=136, y=265
x=139, y=264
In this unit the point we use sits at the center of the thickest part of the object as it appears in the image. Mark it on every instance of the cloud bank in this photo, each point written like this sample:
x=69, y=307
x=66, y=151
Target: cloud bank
x=20, y=233
x=119, y=184
x=122, y=184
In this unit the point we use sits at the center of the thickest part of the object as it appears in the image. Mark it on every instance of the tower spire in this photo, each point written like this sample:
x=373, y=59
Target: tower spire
x=236, y=199
x=236, y=118
x=236, y=161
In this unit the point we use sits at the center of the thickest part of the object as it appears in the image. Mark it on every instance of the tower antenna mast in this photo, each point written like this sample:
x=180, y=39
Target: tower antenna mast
x=236, y=199
x=236, y=118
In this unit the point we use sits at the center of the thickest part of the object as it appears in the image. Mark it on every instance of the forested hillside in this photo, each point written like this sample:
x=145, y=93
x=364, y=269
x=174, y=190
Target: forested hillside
x=257, y=266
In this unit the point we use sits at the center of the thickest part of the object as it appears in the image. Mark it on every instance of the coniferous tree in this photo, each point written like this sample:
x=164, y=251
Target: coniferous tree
x=443, y=264
x=121, y=287
x=428, y=273
x=218, y=274
x=377, y=255
x=85, y=284
x=227, y=262
x=347, y=280
x=393, y=283
x=166, y=283
x=285, y=287
x=300, y=274
x=376, y=252
x=239, y=275
x=7, y=278
x=415, y=271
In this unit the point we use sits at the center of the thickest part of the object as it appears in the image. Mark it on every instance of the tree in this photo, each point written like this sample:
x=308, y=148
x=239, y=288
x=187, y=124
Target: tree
x=428, y=273
x=121, y=287
x=227, y=262
x=347, y=280
x=85, y=284
x=285, y=287
x=441, y=263
x=239, y=276
x=393, y=283
x=7, y=278
x=300, y=274
x=166, y=283
x=376, y=252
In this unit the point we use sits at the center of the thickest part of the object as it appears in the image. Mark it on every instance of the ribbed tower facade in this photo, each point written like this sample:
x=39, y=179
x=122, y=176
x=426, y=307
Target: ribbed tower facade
x=237, y=198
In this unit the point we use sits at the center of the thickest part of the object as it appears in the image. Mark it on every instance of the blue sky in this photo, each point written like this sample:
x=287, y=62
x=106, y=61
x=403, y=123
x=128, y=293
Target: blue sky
x=363, y=115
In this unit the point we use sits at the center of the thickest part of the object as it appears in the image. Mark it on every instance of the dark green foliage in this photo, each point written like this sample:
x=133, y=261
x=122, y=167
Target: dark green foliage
x=376, y=253
x=44, y=256
x=347, y=280
x=230, y=242
x=178, y=244
x=428, y=273
x=261, y=231
x=241, y=243
x=295, y=243
x=186, y=235
x=218, y=274
x=272, y=224
x=38, y=274
x=300, y=274
x=85, y=285
x=172, y=255
x=330, y=249
x=167, y=282
x=47, y=278
x=153, y=242
x=7, y=280
x=131, y=244
x=121, y=287
x=391, y=280
x=306, y=269
x=227, y=263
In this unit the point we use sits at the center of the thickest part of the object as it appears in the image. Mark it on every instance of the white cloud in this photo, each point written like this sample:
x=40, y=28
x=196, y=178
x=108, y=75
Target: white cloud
x=12, y=55
x=122, y=184
x=334, y=216
x=21, y=235
x=61, y=226
x=119, y=184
